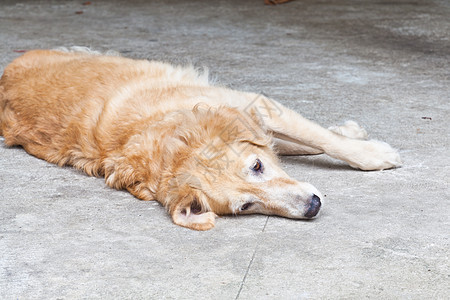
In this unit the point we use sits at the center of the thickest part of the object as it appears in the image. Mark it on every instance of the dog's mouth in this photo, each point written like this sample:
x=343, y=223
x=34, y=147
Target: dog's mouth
x=313, y=207
x=196, y=208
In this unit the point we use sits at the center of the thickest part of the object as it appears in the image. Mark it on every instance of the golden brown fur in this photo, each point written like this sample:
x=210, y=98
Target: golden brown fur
x=164, y=133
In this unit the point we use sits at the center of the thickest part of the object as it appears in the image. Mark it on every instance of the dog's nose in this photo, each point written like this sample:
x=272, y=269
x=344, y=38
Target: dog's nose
x=313, y=207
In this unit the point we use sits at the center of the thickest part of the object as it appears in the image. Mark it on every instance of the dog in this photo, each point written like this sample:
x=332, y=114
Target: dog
x=166, y=133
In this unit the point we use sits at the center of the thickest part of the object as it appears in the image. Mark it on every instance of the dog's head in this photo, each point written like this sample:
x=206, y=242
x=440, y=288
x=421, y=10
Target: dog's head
x=223, y=163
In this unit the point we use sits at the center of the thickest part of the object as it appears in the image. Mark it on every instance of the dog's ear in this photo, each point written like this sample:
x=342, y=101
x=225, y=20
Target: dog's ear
x=189, y=209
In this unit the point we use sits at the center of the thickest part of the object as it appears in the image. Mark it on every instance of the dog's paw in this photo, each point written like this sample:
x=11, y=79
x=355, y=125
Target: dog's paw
x=375, y=155
x=350, y=129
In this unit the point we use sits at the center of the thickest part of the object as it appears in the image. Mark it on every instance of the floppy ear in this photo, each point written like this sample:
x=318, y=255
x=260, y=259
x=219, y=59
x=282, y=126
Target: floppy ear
x=188, y=209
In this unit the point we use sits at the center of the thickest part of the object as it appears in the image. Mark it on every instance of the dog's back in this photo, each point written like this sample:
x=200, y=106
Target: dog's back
x=49, y=99
x=45, y=96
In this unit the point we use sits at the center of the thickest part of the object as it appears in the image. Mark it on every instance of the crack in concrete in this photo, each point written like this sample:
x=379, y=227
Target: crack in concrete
x=251, y=260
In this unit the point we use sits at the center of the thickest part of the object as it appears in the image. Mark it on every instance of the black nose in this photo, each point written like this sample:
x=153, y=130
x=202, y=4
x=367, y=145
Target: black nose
x=313, y=207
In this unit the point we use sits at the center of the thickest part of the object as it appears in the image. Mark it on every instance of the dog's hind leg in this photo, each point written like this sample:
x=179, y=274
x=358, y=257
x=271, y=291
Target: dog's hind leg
x=350, y=129
x=289, y=126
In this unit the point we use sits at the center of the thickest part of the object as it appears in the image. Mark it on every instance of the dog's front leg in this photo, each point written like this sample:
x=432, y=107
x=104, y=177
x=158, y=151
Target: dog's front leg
x=350, y=129
x=292, y=128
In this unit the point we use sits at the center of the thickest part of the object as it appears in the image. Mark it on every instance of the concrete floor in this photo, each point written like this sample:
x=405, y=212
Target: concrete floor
x=382, y=235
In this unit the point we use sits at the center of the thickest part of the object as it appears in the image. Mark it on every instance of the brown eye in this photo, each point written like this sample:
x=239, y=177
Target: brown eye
x=246, y=206
x=257, y=167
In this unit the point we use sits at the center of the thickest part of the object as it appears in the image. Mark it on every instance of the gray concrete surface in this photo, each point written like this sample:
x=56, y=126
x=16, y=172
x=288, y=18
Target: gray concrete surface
x=382, y=235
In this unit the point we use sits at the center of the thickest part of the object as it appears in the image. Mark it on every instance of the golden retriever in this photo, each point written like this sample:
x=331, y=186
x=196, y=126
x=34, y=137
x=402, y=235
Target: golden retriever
x=165, y=133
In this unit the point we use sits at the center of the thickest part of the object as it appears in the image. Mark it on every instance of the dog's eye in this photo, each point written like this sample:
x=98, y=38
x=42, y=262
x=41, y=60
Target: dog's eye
x=257, y=167
x=246, y=206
